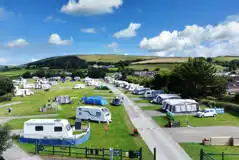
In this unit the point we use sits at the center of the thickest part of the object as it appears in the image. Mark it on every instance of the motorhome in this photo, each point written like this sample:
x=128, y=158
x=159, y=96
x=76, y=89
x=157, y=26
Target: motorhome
x=51, y=132
x=161, y=97
x=180, y=105
x=99, y=114
x=152, y=93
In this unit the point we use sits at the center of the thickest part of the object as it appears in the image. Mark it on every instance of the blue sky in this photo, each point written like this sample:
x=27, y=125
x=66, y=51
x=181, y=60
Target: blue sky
x=33, y=30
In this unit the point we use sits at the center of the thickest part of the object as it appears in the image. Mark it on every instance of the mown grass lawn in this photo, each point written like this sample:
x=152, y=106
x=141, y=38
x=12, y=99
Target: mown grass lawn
x=119, y=131
x=142, y=101
x=193, y=149
x=152, y=107
x=226, y=119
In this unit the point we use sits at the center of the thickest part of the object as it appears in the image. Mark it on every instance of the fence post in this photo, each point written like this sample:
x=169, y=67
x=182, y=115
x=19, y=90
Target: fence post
x=140, y=156
x=154, y=153
x=121, y=154
x=53, y=150
x=201, y=154
x=69, y=150
x=222, y=155
x=86, y=152
x=103, y=153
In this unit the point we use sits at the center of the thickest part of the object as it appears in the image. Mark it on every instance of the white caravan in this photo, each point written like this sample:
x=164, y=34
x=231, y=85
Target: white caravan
x=22, y=92
x=180, y=105
x=28, y=86
x=100, y=114
x=47, y=129
x=159, y=99
x=79, y=86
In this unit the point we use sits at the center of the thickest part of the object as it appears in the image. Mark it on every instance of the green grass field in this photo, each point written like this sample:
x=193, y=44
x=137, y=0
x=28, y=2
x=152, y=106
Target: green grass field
x=112, y=57
x=151, y=107
x=15, y=73
x=193, y=149
x=152, y=67
x=118, y=135
x=226, y=119
x=225, y=58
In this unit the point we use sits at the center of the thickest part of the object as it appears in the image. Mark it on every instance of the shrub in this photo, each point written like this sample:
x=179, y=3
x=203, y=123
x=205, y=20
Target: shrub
x=236, y=98
x=225, y=105
x=6, y=97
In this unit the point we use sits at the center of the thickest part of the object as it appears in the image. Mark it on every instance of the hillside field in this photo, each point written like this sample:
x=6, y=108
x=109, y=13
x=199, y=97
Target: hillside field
x=112, y=57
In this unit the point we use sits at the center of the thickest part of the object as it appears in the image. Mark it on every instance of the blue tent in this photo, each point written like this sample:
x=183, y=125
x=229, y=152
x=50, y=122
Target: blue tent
x=96, y=100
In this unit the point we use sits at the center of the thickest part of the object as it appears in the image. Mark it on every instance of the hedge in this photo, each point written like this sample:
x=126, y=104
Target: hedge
x=225, y=105
x=6, y=97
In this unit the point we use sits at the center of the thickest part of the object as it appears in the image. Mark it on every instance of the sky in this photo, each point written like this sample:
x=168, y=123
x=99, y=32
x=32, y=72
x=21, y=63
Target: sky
x=34, y=29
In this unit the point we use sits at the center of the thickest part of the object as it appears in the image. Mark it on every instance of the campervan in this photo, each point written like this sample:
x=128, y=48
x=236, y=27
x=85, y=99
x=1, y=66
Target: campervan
x=100, y=114
x=159, y=99
x=180, y=105
x=152, y=93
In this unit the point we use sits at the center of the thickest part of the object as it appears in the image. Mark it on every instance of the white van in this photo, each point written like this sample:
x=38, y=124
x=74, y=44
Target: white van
x=100, y=114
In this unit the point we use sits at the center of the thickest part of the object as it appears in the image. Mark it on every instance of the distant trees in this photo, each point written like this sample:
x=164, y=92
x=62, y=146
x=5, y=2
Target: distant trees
x=196, y=78
x=125, y=72
x=97, y=72
x=27, y=75
x=6, y=89
x=5, y=139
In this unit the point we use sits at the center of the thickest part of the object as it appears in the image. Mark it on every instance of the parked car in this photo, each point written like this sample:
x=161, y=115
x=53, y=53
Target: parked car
x=206, y=113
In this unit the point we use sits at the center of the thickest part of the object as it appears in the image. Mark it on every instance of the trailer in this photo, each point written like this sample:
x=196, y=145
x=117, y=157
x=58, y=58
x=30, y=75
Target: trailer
x=79, y=86
x=99, y=114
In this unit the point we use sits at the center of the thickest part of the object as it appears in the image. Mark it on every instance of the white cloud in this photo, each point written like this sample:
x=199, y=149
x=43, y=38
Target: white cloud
x=34, y=60
x=88, y=30
x=3, y=60
x=90, y=7
x=54, y=19
x=194, y=40
x=17, y=43
x=128, y=32
x=55, y=39
x=4, y=14
x=114, y=46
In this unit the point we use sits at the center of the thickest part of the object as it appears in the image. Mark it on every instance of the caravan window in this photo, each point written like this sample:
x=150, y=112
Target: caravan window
x=57, y=129
x=38, y=128
x=98, y=114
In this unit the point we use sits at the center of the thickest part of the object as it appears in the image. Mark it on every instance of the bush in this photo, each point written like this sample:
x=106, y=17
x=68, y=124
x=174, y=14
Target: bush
x=225, y=105
x=236, y=98
x=6, y=97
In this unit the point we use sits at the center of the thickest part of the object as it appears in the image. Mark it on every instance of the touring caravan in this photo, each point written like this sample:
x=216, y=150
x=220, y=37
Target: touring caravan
x=152, y=93
x=161, y=97
x=28, y=86
x=51, y=132
x=22, y=92
x=140, y=91
x=180, y=105
x=79, y=86
x=99, y=114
